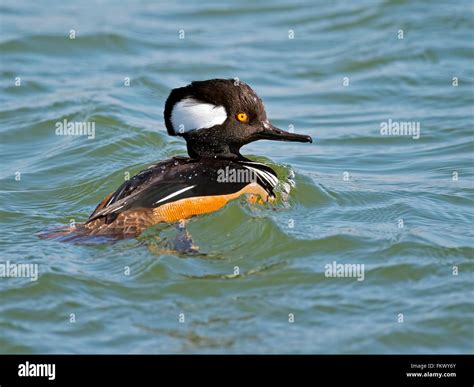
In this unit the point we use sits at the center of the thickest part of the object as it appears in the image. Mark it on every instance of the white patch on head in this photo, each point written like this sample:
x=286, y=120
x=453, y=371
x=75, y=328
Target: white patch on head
x=266, y=124
x=190, y=114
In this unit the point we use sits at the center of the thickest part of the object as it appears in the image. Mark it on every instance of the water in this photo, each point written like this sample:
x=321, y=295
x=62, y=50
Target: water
x=353, y=186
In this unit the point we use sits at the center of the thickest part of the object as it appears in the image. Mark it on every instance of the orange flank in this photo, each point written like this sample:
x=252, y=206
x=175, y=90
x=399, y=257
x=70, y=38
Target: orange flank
x=188, y=207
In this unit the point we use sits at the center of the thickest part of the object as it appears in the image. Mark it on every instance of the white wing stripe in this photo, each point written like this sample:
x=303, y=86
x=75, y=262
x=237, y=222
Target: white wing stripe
x=268, y=177
x=261, y=174
x=174, y=194
x=271, y=176
x=117, y=208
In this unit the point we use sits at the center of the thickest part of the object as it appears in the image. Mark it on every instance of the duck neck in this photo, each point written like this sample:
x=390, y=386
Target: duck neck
x=202, y=146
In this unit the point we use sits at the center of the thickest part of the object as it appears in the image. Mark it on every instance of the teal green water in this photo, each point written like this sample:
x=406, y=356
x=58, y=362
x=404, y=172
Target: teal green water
x=352, y=186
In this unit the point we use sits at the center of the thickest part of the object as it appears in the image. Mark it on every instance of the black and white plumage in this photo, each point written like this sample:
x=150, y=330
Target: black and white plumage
x=220, y=101
x=216, y=118
x=181, y=178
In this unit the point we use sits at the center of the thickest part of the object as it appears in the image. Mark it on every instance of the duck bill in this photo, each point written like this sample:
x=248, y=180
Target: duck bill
x=271, y=132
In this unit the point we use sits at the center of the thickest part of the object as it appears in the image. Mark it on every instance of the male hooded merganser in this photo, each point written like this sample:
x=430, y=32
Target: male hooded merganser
x=216, y=118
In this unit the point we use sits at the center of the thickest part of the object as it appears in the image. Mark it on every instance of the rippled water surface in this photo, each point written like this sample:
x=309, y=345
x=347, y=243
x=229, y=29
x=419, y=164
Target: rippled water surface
x=400, y=206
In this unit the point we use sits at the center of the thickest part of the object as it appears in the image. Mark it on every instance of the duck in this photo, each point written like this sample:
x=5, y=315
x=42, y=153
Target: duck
x=216, y=118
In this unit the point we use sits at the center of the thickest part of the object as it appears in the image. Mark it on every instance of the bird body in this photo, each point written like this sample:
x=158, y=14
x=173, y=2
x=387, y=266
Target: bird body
x=216, y=118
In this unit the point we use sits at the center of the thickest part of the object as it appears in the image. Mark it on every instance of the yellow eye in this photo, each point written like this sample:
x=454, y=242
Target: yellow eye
x=242, y=117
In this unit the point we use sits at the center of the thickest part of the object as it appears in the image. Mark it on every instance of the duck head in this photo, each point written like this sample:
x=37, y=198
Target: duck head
x=218, y=116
